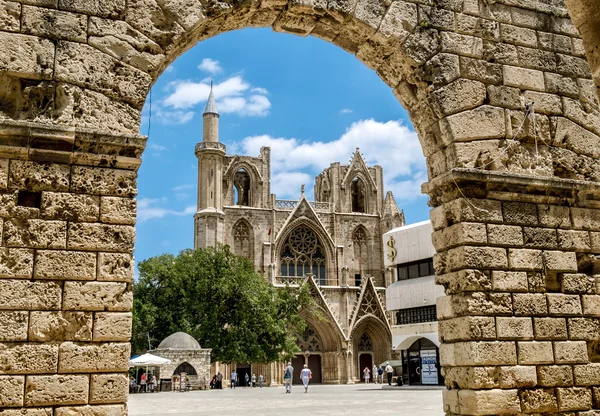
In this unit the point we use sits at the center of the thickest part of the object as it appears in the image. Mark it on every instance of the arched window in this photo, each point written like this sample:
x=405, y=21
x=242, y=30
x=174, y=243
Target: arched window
x=365, y=343
x=185, y=368
x=242, y=239
x=309, y=341
x=241, y=184
x=357, y=191
x=302, y=253
x=361, y=254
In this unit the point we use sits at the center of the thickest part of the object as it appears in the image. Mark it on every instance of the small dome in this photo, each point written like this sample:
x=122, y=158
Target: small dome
x=179, y=341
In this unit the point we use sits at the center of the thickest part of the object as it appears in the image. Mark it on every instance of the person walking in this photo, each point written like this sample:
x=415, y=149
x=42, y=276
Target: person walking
x=287, y=377
x=390, y=371
x=366, y=375
x=246, y=380
x=260, y=380
x=233, y=379
x=374, y=374
x=143, y=383
x=253, y=380
x=305, y=375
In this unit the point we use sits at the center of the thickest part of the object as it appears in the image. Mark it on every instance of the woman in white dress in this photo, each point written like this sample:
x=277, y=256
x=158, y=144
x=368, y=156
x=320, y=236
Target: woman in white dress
x=306, y=375
x=367, y=375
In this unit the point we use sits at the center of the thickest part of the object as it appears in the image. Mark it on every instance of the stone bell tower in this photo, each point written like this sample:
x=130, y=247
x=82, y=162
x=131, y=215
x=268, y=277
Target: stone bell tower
x=209, y=218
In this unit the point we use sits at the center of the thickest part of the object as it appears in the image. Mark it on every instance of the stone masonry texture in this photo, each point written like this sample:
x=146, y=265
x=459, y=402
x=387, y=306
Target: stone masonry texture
x=514, y=203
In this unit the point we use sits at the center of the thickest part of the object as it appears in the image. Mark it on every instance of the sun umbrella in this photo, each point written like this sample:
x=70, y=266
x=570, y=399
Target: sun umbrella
x=148, y=360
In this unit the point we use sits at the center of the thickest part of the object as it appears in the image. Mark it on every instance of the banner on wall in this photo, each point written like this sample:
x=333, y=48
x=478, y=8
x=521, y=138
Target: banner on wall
x=429, y=372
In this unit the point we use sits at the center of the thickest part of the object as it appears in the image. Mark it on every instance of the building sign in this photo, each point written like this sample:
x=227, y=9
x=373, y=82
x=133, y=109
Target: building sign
x=429, y=373
x=390, y=250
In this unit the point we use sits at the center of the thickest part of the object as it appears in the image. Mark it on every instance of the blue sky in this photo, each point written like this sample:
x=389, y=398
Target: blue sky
x=311, y=101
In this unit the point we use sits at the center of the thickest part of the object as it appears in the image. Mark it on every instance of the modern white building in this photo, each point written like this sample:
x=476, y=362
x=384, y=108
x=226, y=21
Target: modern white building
x=411, y=296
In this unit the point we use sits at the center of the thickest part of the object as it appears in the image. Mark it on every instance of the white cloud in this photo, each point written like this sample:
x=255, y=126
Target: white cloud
x=184, y=187
x=173, y=117
x=149, y=208
x=210, y=65
x=392, y=145
x=156, y=147
x=346, y=111
x=234, y=95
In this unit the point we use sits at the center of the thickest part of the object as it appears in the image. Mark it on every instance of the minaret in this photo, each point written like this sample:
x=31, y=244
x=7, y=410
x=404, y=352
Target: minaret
x=209, y=219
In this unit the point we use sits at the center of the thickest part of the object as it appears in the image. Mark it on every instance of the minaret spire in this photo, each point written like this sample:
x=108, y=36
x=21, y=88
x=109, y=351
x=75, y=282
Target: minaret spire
x=211, y=106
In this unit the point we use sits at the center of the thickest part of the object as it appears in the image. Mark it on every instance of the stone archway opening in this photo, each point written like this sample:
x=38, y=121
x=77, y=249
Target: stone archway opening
x=514, y=192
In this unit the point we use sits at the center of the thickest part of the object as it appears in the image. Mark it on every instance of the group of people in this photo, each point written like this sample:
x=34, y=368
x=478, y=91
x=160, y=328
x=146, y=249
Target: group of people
x=305, y=376
x=147, y=383
x=378, y=374
x=249, y=381
x=217, y=381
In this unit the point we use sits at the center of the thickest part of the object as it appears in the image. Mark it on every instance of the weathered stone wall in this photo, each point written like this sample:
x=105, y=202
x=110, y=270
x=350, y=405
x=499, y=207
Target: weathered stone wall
x=461, y=68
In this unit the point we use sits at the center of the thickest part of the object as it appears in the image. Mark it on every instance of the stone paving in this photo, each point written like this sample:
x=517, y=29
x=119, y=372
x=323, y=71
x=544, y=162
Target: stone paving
x=320, y=400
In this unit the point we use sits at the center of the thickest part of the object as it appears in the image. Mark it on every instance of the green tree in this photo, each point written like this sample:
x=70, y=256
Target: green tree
x=220, y=300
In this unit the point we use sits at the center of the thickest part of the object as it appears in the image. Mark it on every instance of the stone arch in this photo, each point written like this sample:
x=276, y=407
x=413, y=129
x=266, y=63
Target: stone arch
x=186, y=367
x=242, y=234
x=358, y=195
x=379, y=335
x=254, y=182
x=71, y=108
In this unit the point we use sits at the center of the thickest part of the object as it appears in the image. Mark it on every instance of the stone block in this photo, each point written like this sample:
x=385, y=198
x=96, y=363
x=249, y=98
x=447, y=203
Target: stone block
x=485, y=353
x=557, y=84
x=114, y=210
x=35, y=233
x=550, y=328
x=521, y=213
x=587, y=329
x=60, y=326
x=502, y=53
x=112, y=326
x=540, y=238
x=474, y=210
x=530, y=304
x=518, y=35
x=458, y=96
x=98, y=410
x=104, y=181
x=459, y=234
x=591, y=305
x=559, y=261
x=97, y=296
x=538, y=400
x=554, y=42
x=526, y=79
x=463, y=45
x=3, y=173
x=535, y=352
x=12, y=390
x=109, y=388
x=465, y=280
x=537, y=282
x=450, y=400
x=61, y=264
x=56, y=390
x=54, y=24
x=586, y=219
x=36, y=177
x=505, y=235
x=544, y=103
x=574, y=398
x=10, y=17
x=472, y=257
x=525, y=259
x=481, y=70
x=537, y=59
x=587, y=375
x=101, y=237
x=509, y=281
x=16, y=263
x=92, y=358
x=484, y=122
x=488, y=402
x=444, y=307
x=555, y=375
x=115, y=267
x=107, y=8
x=35, y=58
x=467, y=328
x=570, y=352
x=24, y=358
x=399, y=20
x=572, y=66
x=27, y=295
x=481, y=303
x=514, y=328
x=517, y=376
x=554, y=216
x=13, y=325
x=578, y=283
x=560, y=304
x=70, y=207
x=574, y=240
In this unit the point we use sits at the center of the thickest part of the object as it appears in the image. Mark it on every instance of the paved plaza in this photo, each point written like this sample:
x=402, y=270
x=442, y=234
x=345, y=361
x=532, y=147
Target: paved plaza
x=320, y=400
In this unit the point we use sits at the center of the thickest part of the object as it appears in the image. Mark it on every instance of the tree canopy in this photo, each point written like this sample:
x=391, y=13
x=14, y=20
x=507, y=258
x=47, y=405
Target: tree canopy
x=219, y=299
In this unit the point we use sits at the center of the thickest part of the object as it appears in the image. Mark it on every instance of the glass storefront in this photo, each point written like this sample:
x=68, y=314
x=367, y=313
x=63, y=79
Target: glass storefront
x=421, y=364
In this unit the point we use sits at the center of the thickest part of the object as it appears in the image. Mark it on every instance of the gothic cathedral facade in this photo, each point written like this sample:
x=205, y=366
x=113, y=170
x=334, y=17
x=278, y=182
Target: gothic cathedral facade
x=333, y=243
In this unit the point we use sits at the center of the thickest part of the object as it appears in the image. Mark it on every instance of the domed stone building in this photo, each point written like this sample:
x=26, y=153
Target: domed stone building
x=186, y=356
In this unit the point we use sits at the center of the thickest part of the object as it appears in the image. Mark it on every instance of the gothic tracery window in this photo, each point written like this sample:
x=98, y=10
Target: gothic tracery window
x=357, y=191
x=309, y=341
x=364, y=343
x=361, y=254
x=241, y=183
x=242, y=241
x=303, y=254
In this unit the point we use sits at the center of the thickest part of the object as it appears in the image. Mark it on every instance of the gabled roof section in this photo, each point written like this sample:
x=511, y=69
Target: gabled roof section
x=369, y=303
x=304, y=210
x=322, y=302
x=358, y=164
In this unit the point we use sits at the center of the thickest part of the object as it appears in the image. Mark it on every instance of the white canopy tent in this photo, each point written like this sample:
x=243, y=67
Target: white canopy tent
x=148, y=360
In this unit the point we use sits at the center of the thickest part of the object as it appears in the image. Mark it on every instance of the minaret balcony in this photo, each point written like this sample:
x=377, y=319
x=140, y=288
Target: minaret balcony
x=210, y=146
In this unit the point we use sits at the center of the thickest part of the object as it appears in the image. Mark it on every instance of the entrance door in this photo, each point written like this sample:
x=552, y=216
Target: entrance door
x=242, y=370
x=314, y=364
x=414, y=367
x=365, y=360
x=298, y=364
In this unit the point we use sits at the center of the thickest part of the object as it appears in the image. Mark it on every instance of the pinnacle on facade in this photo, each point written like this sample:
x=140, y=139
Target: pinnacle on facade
x=211, y=106
x=391, y=214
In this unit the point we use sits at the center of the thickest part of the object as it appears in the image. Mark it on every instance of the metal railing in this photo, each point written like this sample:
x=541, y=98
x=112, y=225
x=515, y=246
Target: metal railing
x=287, y=204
